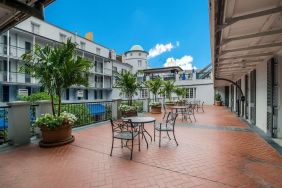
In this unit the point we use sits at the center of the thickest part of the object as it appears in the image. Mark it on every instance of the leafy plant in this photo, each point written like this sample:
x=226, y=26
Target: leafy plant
x=36, y=97
x=57, y=69
x=155, y=104
x=127, y=108
x=154, y=86
x=217, y=97
x=168, y=89
x=50, y=121
x=180, y=92
x=128, y=85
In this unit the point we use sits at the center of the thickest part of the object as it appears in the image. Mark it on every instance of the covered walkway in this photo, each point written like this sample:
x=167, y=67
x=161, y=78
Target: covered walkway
x=219, y=150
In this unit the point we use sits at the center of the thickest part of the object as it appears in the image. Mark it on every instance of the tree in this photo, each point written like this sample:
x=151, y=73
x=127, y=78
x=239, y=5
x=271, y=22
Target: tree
x=128, y=85
x=180, y=92
x=168, y=88
x=57, y=69
x=154, y=86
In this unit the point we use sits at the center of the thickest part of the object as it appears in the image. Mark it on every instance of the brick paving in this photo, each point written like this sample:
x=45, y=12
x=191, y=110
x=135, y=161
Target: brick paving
x=219, y=150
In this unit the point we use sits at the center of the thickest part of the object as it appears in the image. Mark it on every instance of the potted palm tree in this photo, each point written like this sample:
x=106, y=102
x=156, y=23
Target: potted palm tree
x=154, y=86
x=217, y=98
x=181, y=93
x=56, y=69
x=128, y=85
x=167, y=90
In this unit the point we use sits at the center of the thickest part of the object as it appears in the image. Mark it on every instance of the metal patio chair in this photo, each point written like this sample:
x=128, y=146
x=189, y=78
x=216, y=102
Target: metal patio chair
x=125, y=131
x=167, y=126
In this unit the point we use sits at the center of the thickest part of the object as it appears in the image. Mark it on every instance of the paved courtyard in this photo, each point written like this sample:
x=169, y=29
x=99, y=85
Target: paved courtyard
x=219, y=150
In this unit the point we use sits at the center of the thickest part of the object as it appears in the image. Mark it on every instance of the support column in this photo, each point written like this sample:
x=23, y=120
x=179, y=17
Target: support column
x=8, y=56
x=44, y=106
x=146, y=105
x=116, y=114
x=19, y=122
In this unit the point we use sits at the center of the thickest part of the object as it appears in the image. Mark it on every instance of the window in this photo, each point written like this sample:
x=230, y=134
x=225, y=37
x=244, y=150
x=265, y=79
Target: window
x=139, y=63
x=63, y=38
x=130, y=54
x=86, y=94
x=95, y=94
x=98, y=51
x=101, y=94
x=144, y=93
x=191, y=93
x=35, y=28
x=139, y=54
x=114, y=69
x=123, y=70
x=27, y=47
x=82, y=45
x=67, y=94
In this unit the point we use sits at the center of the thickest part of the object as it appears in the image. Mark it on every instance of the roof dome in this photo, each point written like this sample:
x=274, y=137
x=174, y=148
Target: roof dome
x=136, y=48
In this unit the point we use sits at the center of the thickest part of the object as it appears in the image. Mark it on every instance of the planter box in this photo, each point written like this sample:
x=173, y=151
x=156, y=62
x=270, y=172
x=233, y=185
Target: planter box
x=218, y=103
x=129, y=113
x=156, y=109
x=56, y=137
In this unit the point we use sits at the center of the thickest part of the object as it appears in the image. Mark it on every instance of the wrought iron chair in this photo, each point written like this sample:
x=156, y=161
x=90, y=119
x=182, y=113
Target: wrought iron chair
x=202, y=106
x=165, y=110
x=190, y=111
x=125, y=131
x=167, y=126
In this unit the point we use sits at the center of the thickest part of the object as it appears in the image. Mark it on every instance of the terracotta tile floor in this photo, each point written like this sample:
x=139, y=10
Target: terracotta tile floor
x=217, y=151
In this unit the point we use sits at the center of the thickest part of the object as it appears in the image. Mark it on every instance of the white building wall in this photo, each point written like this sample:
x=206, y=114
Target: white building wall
x=261, y=96
x=132, y=59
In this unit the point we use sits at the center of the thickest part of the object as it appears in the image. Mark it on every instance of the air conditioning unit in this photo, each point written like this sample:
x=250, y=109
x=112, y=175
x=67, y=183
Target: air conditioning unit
x=23, y=92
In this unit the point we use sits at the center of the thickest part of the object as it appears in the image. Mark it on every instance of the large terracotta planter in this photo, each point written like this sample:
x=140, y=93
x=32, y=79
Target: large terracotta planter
x=56, y=137
x=129, y=113
x=218, y=103
x=169, y=105
x=156, y=109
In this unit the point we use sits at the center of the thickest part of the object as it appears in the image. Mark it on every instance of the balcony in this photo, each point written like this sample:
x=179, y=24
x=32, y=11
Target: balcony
x=98, y=84
x=108, y=71
x=17, y=77
x=15, y=52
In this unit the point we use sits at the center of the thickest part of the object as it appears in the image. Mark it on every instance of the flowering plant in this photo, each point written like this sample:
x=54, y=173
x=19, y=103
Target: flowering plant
x=155, y=104
x=127, y=108
x=52, y=122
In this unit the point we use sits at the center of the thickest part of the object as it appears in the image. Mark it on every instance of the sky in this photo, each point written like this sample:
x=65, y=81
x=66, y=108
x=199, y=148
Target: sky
x=174, y=32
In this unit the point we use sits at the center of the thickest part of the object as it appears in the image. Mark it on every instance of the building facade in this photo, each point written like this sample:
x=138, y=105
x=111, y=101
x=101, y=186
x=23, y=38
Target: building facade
x=24, y=36
x=246, y=42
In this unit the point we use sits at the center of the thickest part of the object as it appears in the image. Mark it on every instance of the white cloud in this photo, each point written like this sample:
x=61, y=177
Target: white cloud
x=184, y=62
x=161, y=48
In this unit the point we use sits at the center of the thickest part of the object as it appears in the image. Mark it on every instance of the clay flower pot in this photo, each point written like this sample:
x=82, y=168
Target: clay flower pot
x=218, y=103
x=130, y=113
x=57, y=137
x=156, y=109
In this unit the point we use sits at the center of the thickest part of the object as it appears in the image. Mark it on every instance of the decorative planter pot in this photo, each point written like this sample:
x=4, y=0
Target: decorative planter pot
x=156, y=109
x=218, y=103
x=56, y=137
x=129, y=113
x=169, y=104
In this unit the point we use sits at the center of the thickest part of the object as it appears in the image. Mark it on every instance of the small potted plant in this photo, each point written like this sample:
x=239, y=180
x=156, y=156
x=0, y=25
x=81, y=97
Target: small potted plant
x=128, y=111
x=55, y=128
x=154, y=86
x=167, y=90
x=128, y=85
x=156, y=107
x=181, y=93
x=217, y=98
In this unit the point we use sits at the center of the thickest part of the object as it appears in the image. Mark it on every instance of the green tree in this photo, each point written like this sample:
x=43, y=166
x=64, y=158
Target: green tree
x=154, y=86
x=128, y=84
x=168, y=89
x=57, y=69
x=180, y=92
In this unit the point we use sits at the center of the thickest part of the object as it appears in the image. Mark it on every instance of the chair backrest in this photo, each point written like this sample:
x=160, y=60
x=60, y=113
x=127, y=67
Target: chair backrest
x=164, y=107
x=171, y=117
x=117, y=126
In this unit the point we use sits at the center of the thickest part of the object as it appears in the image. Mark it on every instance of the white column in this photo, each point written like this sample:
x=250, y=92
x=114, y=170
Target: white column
x=19, y=122
x=44, y=106
x=8, y=55
x=116, y=114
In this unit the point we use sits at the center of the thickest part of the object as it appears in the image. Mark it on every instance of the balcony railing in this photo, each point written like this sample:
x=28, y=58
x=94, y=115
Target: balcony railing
x=185, y=76
x=15, y=51
x=16, y=77
x=108, y=71
x=98, y=84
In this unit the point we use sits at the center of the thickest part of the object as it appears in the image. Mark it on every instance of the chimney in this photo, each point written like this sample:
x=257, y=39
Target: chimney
x=89, y=36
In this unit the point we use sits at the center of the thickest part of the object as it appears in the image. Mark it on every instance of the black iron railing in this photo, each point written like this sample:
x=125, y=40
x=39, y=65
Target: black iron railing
x=3, y=124
x=32, y=116
x=88, y=112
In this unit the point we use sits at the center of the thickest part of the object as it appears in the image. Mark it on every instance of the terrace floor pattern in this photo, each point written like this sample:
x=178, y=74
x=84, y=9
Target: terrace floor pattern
x=219, y=150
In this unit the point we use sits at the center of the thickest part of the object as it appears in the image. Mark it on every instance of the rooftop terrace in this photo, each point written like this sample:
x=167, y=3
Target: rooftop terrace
x=218, y=150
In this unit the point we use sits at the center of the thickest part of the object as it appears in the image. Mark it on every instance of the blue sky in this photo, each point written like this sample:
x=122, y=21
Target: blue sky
x=180, y=27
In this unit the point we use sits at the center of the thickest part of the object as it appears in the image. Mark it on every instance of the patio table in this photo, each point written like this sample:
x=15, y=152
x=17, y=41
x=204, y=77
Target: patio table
x=142, y=121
